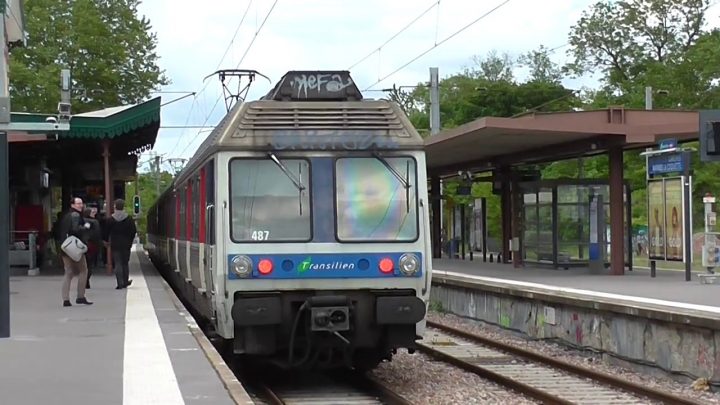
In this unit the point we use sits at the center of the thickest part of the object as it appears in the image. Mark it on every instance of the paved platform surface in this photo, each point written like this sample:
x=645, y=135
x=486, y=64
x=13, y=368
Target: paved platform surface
x=132, y=346
x=668, y=285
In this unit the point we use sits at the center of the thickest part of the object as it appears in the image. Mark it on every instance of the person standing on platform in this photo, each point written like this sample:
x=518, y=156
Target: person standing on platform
x=120, y=231
x=73, y=224
x=93, y=242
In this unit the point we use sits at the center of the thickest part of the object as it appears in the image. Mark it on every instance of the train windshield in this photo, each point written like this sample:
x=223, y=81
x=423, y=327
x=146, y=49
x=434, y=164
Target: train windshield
x=267, y=204
x=376, y=199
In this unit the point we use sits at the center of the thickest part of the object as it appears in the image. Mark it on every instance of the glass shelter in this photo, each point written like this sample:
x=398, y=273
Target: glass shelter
x=560, y=226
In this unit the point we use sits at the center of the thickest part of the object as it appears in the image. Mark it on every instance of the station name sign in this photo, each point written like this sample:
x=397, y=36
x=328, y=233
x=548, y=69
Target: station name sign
x=668, y=163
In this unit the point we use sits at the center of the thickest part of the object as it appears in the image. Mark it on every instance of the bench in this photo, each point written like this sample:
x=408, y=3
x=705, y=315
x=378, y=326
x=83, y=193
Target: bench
x=707, y=278
x=546, y=257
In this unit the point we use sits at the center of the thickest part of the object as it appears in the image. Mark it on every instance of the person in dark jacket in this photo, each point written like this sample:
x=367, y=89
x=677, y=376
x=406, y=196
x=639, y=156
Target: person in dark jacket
x=120, y=231
x=94, y=242
x=74, y=224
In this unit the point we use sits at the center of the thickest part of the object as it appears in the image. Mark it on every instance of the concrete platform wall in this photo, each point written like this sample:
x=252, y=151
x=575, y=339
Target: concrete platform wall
x=688, y=348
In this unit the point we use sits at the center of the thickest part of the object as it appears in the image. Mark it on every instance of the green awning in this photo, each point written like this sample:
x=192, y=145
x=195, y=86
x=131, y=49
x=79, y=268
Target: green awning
x=109, y=123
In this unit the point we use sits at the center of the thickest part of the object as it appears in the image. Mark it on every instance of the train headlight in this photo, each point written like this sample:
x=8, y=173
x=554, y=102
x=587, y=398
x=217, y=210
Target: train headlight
x=242, y=266
x=409, y=264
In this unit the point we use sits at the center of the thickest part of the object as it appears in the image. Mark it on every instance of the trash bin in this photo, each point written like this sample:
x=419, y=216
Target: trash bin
x=454, y=247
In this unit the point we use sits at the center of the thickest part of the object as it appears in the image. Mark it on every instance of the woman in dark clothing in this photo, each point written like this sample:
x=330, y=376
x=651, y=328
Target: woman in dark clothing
x=94, y=242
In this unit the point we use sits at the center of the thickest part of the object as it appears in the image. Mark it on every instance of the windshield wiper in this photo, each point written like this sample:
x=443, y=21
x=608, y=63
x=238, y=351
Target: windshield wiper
x=392, y=170
x=297, y=182
x=403, y=180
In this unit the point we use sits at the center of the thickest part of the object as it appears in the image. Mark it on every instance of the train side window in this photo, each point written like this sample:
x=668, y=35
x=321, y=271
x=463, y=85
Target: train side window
x=176, y=222
x=183, y=204
x=188, y=211
x=170, y=214
x=157, y=218
x=196, y=210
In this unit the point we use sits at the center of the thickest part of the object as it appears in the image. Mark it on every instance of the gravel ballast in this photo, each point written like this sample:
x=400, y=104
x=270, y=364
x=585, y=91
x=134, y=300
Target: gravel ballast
x=570, y=355
x=423, y=380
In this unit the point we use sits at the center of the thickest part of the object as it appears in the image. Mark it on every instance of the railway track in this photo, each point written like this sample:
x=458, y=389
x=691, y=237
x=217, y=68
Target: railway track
x=540, y=377
x=323, y=389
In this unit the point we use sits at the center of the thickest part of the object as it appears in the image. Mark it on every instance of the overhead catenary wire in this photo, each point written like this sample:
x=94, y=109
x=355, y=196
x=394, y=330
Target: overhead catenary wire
x=475, y=21
x=257, y=32
x=408, y=25
x=227, y=49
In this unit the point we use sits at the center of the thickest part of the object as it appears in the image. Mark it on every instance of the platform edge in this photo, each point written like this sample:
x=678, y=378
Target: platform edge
x=232, y=384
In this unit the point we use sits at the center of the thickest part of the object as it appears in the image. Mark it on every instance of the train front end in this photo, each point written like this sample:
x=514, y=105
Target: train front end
x=327, y=254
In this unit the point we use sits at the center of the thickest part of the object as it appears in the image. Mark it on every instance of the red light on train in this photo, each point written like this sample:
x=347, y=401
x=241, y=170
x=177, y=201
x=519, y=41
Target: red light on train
x=386, y=265
x=265, y=267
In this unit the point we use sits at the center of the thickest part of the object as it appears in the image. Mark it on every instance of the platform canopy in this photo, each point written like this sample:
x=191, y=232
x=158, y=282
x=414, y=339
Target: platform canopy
x=129, y=130
x=130, y=127
x=491, y=142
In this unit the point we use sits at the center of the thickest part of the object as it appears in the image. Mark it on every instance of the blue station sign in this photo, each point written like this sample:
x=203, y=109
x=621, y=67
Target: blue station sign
x=668, y=144
x=668, y=163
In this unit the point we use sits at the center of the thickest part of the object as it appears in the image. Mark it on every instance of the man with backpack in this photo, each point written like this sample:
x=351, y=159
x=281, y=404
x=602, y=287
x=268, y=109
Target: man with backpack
x=120, y=231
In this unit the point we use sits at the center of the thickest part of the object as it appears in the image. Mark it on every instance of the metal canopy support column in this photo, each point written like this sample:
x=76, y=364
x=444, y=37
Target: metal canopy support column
x=617, y=228
x=506, y=215
x=435, y=196
x=108, y=195
x=628, y=226
x=517, y=223
x=555, y=226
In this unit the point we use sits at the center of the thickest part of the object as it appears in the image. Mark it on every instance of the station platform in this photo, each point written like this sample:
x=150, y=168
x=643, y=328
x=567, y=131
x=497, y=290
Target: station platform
x=669, y=286
x=132, y=346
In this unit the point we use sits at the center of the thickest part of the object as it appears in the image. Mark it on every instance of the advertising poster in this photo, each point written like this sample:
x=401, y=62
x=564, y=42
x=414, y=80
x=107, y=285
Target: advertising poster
x=477, y=231
x=674, y=219
x=656, y=219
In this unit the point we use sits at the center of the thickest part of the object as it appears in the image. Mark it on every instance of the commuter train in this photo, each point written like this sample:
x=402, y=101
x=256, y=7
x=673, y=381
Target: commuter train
x=298, y=232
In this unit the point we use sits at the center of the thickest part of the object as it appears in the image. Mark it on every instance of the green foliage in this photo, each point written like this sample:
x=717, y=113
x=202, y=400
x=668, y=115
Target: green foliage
x=436, y=306
x=657, y=43
x=488, y=89
x=542, y=68
x=147, y=190
x=109, y=50
x=626, y=38
x=636, y=43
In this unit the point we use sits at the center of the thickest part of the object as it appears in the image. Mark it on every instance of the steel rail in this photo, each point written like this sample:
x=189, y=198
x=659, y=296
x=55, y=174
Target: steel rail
x=536, y=393
x=597, y=376
x=362, y=382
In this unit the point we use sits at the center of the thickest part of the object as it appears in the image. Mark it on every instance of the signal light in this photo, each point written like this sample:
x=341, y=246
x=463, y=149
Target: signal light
x=265, y=267
x=386, y=265
x=136, y=204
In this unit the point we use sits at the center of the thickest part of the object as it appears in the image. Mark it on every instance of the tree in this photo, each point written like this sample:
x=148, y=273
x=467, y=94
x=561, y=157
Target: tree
x=492, y=67
x=146, y=189
x=489, y=89
x=542, y=68
x=108, y=49
x=657, y=43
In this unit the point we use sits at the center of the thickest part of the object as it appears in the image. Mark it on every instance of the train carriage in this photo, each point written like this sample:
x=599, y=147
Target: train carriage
x=299, y=230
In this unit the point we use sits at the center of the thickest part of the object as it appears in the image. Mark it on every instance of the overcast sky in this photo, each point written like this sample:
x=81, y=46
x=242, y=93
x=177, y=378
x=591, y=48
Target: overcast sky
x=334, y=34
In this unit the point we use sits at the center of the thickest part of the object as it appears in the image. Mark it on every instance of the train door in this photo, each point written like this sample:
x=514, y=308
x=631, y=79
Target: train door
x=208, y=264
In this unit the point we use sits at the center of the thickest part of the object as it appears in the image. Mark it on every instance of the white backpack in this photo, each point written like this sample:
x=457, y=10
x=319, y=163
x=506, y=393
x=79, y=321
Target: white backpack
x=74, y=248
